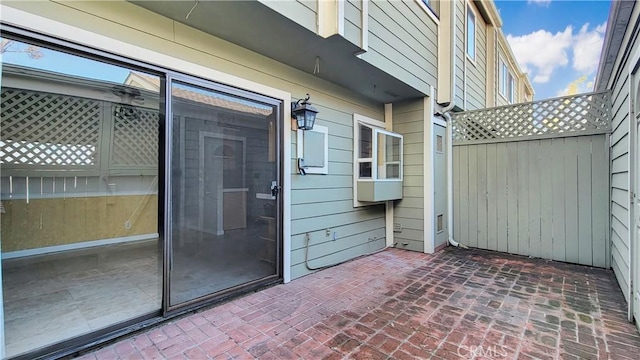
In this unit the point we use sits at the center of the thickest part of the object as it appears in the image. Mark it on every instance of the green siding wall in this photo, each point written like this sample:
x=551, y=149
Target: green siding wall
x=460, y=51
x=353, y=21
x=321, y=202
x=408, y=120
x=620, y=242
x=403, y=42
x=476, y=75
x=303, y=12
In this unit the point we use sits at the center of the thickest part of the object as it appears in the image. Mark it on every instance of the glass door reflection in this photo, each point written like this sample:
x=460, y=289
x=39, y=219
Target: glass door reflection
x=224, y=222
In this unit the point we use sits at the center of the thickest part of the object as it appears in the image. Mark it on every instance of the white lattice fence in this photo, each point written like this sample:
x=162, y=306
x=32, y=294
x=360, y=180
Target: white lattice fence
x=135, y=138
x=49, y=130
x=559, y=117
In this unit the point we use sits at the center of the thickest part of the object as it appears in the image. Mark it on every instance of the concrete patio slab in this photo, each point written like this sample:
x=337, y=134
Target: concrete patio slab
x=455, y=304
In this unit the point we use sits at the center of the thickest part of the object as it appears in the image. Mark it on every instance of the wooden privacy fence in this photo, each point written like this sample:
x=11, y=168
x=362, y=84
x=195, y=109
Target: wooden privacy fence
x=533, y=179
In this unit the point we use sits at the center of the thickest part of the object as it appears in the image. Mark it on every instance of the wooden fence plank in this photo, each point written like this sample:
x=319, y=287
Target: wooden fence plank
x=571, y=199
x=585, y=247
x=464, y=196
x=482, y=196
x=492, y=198
x=512, y=197
x=559, y=252
x=473, y=198
x=502, y=203
x=523, y=198
x=546, y=199
x=534, y=198
x=599, y=201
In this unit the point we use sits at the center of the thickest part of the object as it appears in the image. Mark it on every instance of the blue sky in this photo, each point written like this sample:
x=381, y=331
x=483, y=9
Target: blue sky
x=558, y=43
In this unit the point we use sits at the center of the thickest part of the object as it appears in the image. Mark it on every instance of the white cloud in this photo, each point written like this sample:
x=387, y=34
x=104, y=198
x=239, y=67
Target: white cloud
x=541, y=52
x=586, y=48
x=539, y=2
x=580, y=85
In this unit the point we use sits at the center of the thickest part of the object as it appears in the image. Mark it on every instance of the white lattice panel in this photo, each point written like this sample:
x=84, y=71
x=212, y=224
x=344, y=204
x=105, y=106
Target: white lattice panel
x=135, y=137
x=47, y=129
x=571, y=115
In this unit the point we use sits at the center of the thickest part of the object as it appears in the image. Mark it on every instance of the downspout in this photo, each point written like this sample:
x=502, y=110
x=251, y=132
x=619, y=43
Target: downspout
x=445, y=113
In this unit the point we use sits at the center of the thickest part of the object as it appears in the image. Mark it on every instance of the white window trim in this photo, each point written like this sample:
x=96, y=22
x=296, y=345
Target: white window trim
x=502, y=79
x=374, y=152
x=475, y=33
x=508, y=97
x=429, y=12
x=300, y=150
x=512, y=94
x=361, y=119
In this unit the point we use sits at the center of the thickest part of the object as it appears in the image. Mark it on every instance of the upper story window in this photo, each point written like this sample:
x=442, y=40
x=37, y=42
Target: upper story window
x=471, y=33
x=507, y=82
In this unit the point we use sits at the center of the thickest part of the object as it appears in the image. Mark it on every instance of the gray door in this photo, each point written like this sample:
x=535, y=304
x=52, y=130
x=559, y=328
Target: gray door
x=440, y=185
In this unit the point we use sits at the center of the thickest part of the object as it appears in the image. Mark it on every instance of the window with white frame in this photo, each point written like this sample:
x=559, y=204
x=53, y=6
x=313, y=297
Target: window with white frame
x=471, y=33
x=379, y=154
x=511, y=89
x=507, y=82
x=377, y=162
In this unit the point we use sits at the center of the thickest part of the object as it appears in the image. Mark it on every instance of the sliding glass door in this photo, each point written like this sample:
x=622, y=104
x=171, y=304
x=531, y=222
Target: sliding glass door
x=224, y=216
x=125, y=194
x=79, y=142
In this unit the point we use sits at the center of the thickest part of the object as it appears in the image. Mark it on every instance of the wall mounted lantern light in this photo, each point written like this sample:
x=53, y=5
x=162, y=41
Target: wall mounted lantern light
x=304, y=113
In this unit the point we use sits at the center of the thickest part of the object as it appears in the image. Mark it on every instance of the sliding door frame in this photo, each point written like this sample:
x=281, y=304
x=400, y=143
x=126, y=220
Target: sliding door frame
x=87, y=341
x=168, y=308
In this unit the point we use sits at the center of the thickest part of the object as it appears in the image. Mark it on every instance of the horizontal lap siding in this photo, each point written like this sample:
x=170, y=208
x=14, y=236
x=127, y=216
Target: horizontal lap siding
x=319, y=202
x=353, y=21
x=541, y=198
x=303, y=12
x=460, y=51
x=408, y=120
x=476, y=74
x=403, y=42
x=620, y=242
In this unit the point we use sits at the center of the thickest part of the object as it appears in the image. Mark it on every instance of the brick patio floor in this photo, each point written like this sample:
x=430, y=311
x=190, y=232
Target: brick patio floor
x=405, y=305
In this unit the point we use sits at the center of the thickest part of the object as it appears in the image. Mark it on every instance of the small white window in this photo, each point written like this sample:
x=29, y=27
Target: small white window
x=512, y=89
x=471, y=33
x=380, y=154
x=377, y=170
x=503, y=78
x=313, y=150
x=507, y=82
